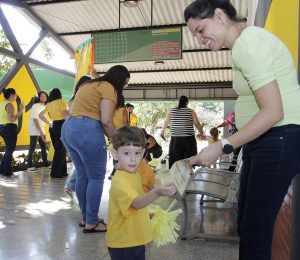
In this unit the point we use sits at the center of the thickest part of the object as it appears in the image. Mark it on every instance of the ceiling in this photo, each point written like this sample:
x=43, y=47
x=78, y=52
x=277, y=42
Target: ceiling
x=74, y=21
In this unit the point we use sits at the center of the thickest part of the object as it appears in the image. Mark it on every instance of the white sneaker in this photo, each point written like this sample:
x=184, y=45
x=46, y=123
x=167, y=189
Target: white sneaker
x=32, y=169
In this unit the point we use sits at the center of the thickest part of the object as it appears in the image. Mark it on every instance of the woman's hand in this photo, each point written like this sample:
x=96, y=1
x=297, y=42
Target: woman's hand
x=208, y=155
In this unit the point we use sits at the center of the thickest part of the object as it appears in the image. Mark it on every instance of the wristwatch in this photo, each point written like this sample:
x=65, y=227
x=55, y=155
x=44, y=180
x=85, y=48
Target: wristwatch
x=227, y=147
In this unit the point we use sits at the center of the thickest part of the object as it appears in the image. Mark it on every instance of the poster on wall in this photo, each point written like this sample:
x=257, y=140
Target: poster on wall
x=138, y=45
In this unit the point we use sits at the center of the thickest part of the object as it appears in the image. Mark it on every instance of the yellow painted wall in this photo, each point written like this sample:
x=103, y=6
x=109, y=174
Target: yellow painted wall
x=25, y=89
x=283, y=21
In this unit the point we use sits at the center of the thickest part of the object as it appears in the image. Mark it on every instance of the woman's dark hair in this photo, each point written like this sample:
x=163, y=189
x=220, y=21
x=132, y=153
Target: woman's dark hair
x=8, y=92
x=80, y=82
x=183, y=101
x=202, y=9
x=38, y=96
x=122, y=104
x=54, y=94
x=116, y=76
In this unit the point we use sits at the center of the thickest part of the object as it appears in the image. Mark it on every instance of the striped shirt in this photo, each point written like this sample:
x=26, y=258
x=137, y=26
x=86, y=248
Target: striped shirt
x=182, y=122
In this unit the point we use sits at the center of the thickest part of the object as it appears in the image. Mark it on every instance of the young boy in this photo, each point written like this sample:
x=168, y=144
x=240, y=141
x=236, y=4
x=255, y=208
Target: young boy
x=129, y=227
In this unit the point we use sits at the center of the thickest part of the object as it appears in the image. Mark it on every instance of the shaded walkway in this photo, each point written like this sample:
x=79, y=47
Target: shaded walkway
x=38, y=221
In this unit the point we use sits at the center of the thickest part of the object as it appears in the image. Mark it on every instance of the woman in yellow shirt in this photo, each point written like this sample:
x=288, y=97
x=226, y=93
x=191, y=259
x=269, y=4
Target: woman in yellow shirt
x=8, y=128
x=58, y=112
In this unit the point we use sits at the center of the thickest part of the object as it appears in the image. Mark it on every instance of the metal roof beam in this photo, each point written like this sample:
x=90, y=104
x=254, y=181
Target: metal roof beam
x=223, y=84
x=10, y=53
x=174, y=70
x=30, y=3
x=9, y=33
x=42, y=35
x=40, y=22
x=46, y=66
x=121, y=29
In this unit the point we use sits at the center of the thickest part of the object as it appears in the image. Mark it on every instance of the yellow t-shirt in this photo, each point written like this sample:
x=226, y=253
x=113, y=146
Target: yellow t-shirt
x=127, y=226
x=258, y=58
x=88, y=98
x=119, y=117
x=132, y=120
x=54, y=108
x=3, y=114
x=147, y=176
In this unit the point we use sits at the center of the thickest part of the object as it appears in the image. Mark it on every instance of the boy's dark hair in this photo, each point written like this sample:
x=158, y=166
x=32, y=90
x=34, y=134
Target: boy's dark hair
x=128, y=135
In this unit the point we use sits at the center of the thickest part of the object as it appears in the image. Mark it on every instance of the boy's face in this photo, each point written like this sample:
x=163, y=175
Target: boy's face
x=129, y=157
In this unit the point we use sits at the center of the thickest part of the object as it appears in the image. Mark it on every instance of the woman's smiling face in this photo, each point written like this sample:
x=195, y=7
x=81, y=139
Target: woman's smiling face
x=209, y=32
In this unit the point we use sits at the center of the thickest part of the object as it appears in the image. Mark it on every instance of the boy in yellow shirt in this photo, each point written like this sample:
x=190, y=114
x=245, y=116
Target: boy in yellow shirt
x=129, y=227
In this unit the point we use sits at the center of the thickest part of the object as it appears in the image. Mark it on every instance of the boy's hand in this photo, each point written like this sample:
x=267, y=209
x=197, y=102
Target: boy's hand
x=165, y=189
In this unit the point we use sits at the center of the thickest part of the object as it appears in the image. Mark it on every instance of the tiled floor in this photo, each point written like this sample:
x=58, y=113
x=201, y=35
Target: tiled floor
x=38, y=221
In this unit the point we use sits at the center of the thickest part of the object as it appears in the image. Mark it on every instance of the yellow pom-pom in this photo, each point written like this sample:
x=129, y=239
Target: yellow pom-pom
x=164, y=225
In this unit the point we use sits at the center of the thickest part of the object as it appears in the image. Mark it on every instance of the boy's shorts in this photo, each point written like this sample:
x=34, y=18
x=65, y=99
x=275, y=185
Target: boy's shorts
x=127, y=253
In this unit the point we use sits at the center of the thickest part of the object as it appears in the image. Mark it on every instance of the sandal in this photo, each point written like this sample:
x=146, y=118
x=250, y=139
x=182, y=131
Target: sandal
x=82, y=224
x=94, y=230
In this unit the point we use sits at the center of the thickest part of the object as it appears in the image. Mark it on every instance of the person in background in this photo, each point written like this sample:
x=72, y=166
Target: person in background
x=212, y=138
x=83, y=132
x=58, y=112
x=230, y=122
x=129, y=226
x=8, y=128
x=37, y=130
x=131, y=117
x=267, y=114
x=154, y=150
x=120, y=119
x=71, y=182
x=183, y=142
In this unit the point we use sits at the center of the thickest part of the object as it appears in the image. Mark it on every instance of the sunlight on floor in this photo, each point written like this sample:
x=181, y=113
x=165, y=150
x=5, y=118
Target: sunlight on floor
x=45, y=207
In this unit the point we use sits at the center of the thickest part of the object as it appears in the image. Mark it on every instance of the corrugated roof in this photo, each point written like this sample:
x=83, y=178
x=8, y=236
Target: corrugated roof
x=74, y=21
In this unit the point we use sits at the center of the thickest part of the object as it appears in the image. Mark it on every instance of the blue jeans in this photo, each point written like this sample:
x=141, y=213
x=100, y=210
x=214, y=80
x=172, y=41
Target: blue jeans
x=9, y=134
x=84, y=140
x=270, y=162
x=71, y=182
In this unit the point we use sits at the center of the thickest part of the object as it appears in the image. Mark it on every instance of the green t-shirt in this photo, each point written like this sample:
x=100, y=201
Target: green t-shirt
x=259, y=57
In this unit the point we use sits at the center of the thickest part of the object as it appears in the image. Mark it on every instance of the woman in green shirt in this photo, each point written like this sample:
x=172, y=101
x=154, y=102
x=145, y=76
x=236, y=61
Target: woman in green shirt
x=267, y=116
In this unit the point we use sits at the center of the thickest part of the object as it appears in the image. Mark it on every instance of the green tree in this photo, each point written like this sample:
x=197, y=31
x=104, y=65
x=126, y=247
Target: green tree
x=5, y=62
x=48, y=52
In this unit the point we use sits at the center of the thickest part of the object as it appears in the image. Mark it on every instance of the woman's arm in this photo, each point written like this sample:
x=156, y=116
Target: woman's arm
x=11, y=112
x=271, y=111
x=151, y=142
x=107, y=110
x=166, y=123
x=65, y=113
x=42, y=116
x=125, y=118
x=197, y=123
